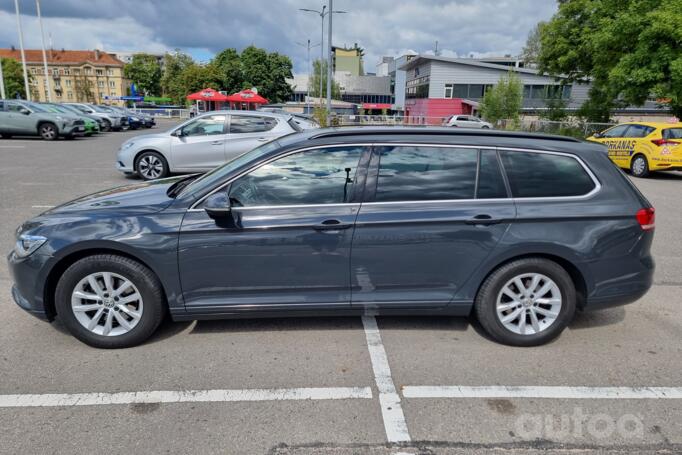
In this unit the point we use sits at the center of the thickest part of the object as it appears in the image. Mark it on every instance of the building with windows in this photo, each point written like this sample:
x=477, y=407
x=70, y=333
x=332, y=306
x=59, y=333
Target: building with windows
x=368, y=92
x=348, y=60
x=437, y=87
x=75, y=76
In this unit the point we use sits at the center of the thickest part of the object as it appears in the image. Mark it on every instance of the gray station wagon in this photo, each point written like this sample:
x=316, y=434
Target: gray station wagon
x=520, y=230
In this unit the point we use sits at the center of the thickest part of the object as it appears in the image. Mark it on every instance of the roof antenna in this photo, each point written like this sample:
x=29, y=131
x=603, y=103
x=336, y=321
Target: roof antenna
x=436, y=52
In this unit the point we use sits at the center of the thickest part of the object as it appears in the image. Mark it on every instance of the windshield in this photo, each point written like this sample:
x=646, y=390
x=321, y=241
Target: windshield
x=101, y=109
x=211, y=178
x=56, y=108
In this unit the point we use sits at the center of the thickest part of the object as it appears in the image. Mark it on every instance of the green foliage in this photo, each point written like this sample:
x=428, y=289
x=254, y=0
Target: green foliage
x=144, y=70
x=320, y=66
x=531, y=50
x=228, y=71
x=13, y=76
x=320, y=115
x=504, y=100
x=629, y=49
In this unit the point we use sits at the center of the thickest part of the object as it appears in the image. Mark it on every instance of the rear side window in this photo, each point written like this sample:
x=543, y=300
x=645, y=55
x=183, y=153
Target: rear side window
x=639, y=131
x=412, y=173
x=490, y=180
x=545, y=175
x=616, y=131
x=672, y=133
x=251, y=124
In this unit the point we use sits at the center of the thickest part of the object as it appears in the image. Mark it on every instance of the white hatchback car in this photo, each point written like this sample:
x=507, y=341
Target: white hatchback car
x=467, y=121
x=201, y=143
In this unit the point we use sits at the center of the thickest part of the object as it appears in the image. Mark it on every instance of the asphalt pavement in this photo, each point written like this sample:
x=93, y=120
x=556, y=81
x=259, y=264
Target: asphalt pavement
x=390, y=385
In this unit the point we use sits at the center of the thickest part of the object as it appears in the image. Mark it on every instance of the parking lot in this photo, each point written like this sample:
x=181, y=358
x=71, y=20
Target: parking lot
x=335, y=385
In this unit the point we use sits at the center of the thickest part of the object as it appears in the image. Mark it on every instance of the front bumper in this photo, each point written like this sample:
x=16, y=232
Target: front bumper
x=29, y=282
x=75, y=130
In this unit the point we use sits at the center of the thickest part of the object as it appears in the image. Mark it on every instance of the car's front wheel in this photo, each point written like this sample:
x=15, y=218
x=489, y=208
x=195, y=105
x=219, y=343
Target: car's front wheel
x=526, y=302
x=109, y=301
x=639, y=167
x=151, y=165
x=48, y=131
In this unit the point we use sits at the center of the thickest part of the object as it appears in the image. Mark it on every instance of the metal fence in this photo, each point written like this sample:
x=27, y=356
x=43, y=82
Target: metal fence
x=164, y=113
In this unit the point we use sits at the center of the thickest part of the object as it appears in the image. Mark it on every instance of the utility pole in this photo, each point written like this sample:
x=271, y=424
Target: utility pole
x=307, y=102
x=329, y=62
x=2, y=83
x=21, y=48
x=42, y=38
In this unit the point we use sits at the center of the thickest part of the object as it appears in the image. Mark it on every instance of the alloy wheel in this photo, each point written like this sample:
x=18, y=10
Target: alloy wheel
x=529, y=303
x=150, y=167
x=47, y=132
x=639, y=166
x=107, y=304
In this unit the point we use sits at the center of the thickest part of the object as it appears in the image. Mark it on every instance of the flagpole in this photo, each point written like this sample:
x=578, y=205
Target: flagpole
x=42, y=38
x=21, y=48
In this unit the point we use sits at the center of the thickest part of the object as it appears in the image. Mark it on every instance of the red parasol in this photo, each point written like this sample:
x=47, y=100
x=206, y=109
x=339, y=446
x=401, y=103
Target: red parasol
x=247, y=96
x=208, y=94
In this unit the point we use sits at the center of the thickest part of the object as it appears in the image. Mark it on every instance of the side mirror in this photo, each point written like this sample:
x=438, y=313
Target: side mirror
x=598, y=135
x=218, y=206
x=24, y=111
x=178, y=133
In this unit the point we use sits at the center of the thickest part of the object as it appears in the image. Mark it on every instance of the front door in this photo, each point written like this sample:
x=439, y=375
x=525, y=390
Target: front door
x=18, y=121
x=289, y=243
x=433, y=214
x=200, y=145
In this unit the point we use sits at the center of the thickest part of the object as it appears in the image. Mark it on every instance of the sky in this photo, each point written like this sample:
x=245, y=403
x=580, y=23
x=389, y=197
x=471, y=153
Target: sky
x=204, y=27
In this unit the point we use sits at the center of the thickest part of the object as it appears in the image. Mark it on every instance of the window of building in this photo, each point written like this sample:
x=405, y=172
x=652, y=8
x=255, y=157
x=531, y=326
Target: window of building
x=112, y=84
x=67, y=82
x=415, y=173
x=99, y=72
x=34, y=70
x=102, y=95
x=110, y=72
x=100, y=84
x=69, y=95
x=545, y=175
x=77, y=72
x=88, y=71
x=476, y=91
x=240, y=124
x=113, y=94
x=448, y=90
x=321, y=176
x=67, y=72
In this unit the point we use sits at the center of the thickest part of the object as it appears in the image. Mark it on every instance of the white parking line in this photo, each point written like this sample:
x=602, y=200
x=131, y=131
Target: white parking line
x=554, y=392
x=12, y=146
x=391, y=410
x=42, y=206
x=185, y=396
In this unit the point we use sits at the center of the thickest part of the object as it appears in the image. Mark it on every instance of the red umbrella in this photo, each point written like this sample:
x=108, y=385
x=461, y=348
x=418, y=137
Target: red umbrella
x=247, y=96
x=208, y=94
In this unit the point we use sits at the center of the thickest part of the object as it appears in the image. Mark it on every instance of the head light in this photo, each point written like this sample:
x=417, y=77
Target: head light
x=27, y=244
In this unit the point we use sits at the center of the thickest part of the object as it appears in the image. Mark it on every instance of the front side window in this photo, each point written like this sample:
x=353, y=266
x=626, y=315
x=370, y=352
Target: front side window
x=616, y=131
x=413, y=173
x=545, y=175
x=13, y=107
x=240, y=124
x=639, y=131
x=205, y=126
x=320, y=176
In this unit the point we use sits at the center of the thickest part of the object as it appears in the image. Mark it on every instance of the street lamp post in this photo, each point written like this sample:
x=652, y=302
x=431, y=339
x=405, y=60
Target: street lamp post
x=21, y=48
x=308, y=46
x=42, y=37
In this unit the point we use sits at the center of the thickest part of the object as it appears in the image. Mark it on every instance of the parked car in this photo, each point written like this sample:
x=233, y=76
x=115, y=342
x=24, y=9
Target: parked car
x=23, y=118
x=643, y=147
x=75, y=110
x=110, y=120
x=201, y=143
x=306, y=122
x=145, y=120
x=519, y=229
x=91, y=126
x=134, y=122
x=467, y=121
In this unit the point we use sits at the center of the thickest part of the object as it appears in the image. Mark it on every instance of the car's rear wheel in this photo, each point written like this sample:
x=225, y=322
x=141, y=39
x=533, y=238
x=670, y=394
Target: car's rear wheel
x=526, y=302
x=109, y=301
x=151, y=165
x=48, y=131
x=639, y=167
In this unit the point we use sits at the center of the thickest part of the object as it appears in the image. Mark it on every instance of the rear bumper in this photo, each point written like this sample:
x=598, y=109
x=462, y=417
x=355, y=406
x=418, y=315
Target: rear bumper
x=624, y=289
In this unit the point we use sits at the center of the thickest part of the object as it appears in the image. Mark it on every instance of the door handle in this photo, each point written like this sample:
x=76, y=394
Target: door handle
x=331, y=225
x=216, y=143
x=483, y=219
x=263, y=139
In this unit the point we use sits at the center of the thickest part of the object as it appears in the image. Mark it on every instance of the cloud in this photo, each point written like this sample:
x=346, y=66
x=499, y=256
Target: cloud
x=381, y=27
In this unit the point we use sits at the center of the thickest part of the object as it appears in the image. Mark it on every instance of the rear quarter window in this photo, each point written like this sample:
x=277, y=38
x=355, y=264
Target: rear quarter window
x=672, y=133
x=533, y=174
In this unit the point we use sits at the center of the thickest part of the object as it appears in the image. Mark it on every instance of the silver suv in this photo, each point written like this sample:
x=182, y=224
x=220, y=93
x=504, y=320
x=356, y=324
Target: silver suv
x=23, y=118
x=110, y=120
x=201, y=143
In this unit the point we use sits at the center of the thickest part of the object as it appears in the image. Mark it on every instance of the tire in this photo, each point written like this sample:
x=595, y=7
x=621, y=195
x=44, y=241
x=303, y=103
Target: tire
x=639, y=166
x=48, y=131
x=106, y=125
x=144, y=285
x=6, y=136
x=548, y=328
x=151, y=166
x=485, y=127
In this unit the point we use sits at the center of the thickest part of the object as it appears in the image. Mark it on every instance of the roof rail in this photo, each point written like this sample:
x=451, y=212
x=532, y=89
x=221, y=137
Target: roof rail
x=431, y=131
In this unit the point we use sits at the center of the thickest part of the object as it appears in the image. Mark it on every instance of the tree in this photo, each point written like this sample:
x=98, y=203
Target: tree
x=197, y=77
x=531, y=50
x=171, y=84
x=629, y=49
x=228, y=64
x=13, y=76
x=314, y=82
x=277, y=89
x=144, y=70
x=504, y=100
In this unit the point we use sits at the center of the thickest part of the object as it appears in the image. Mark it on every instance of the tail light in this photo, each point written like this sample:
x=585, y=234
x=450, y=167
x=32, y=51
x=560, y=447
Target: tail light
x=646, y=218
x=661, y=142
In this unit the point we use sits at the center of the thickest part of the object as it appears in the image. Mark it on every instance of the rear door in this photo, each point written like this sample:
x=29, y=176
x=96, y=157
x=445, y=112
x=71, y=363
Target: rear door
x=247, y=132
x=432, y=215
x=620, y=149
x=201, y=146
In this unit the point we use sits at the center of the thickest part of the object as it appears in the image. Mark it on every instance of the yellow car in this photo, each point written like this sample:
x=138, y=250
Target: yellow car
x=643, y=147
